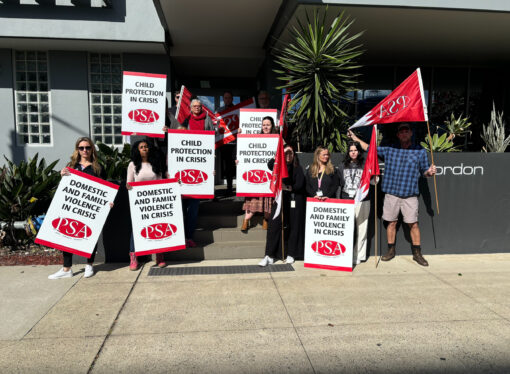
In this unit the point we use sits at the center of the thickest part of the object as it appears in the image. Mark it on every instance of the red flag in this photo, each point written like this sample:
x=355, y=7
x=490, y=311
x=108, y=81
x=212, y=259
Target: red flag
x=405, y=104
x=183, y=106
x=283, y=114
x=371, y=168
x=228, y=122
x=279, y=172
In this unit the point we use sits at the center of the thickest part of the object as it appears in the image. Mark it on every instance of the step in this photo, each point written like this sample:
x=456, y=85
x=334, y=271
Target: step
x=212, y=222
x=220, y=251
x=206, y=236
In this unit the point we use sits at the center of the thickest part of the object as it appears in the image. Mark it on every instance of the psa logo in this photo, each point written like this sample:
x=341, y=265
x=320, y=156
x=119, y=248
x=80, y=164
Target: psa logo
x=72, y=228
x=394, y=106
x=143, y=116
x=328, y=248
x=257, y=176
x=158, y=231
x=191, y=176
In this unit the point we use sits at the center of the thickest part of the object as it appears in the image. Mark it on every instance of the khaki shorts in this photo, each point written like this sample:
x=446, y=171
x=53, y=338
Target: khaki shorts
x=393, y=205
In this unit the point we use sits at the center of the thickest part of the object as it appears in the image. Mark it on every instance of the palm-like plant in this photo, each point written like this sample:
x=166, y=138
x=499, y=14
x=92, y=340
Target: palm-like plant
x=318, y=70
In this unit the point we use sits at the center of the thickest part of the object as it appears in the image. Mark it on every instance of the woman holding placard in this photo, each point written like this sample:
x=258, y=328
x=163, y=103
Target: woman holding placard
x=293, y=210
x=351, y=171
x=322, y=179
x=145, y=166
x=84, y=159
x=263, y=205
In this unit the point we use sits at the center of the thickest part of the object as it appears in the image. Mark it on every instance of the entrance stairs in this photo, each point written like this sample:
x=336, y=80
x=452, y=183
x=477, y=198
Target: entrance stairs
x=218, y=235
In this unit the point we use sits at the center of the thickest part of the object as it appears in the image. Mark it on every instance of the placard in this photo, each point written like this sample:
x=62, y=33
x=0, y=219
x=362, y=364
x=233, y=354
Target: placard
x=329, y=234
x=191, y=159
x=143, y=104
x=253, y=154
x=77, y=213
x=156, y=216
x=250, y=120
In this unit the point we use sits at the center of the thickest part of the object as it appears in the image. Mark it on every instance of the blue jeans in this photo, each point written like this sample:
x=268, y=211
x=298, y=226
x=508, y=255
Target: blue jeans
x=190, y=215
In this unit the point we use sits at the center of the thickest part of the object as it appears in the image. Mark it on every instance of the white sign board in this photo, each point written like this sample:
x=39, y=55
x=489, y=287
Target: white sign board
x=143, y=104
x=253, y=153
x=156, y=216
x=329, y=234
x=191, y=159
x=77, y=213
x=250, y=120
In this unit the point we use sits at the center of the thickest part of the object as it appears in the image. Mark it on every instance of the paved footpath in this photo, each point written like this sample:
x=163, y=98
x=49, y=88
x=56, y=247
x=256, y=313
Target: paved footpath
x=453, y=317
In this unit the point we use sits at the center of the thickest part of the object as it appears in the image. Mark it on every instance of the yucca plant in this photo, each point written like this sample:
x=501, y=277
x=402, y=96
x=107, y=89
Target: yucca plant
x=318, y=70
x=494, y=134
x=457, y=127
x=113, y=161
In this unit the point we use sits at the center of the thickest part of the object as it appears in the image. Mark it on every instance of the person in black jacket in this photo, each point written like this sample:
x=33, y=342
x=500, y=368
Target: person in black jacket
x=84, y=159
x=293, y=204
x=322, y=180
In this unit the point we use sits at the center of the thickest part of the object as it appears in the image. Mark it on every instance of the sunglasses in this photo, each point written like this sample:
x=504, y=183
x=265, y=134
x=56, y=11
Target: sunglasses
x=87, y=148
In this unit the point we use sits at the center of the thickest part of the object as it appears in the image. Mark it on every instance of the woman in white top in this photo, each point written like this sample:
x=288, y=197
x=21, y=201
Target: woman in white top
x=145, y=165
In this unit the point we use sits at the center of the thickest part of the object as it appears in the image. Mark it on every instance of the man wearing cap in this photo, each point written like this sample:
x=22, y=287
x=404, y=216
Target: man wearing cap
x=404, y=162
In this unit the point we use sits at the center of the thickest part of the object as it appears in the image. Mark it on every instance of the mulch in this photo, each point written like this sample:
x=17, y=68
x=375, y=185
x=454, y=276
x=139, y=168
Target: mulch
x=34, y=255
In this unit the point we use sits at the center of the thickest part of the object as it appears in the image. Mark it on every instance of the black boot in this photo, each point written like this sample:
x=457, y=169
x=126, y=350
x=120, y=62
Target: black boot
x=390, y=254
x=417, y=255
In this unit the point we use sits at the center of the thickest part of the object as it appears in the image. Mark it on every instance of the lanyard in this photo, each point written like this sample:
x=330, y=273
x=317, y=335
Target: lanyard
x=319, y=181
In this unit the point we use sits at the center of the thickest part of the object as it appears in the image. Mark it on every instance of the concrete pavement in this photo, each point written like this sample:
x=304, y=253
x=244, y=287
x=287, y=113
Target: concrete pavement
x=453, y=316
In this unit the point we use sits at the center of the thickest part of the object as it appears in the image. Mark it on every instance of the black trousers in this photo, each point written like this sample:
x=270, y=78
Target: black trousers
x=68, y=258
x=228, y=166
x=274, y=232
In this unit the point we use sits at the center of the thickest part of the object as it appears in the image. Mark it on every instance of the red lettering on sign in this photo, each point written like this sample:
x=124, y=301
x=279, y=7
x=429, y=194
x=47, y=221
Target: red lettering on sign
x=328, y=248
x=191, y=176
x=257, y=176
x=72, y=228
x=158, y=231
x=143, y=116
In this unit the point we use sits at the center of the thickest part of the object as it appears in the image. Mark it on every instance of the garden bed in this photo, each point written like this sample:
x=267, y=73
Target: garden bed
x=34, y=255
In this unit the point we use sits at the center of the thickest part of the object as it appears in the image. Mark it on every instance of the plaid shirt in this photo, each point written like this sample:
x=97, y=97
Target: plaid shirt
x=402, y=169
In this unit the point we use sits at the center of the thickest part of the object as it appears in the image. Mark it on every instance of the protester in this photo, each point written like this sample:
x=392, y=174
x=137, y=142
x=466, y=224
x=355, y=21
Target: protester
x=351, y=171
x=198, y=118
x=263, y=99
x=404, y=163
x=293, y=210
x=259, y=204
x=145, y=166
x=173, y=109
x=322, y=179
x=84, y=159
x=228, y=151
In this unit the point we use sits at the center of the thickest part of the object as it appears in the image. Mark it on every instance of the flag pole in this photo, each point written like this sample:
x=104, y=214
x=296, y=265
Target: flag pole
x=375, y=222
x=432, y=159
x=283, y=231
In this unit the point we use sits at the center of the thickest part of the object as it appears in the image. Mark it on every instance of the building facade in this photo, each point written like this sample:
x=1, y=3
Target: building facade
x=61, y=61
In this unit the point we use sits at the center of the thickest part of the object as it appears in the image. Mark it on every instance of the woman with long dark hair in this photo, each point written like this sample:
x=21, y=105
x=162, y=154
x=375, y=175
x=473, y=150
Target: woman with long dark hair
x=322, y=180
x=84, y=159
x=263, y=205
x=293, y=210
x=145, y=165
x=351, y=171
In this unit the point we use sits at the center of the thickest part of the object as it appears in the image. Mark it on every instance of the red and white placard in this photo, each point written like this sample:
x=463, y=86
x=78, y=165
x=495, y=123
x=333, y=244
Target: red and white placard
x=143, y=104
x=329, y=234
x=191, y=159
x=77, y=213
x=253, y=154
x=156, y=216
x=250, y=120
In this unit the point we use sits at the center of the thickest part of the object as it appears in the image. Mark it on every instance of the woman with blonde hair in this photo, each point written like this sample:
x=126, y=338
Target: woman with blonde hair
x=84, y=159
x=322, y=180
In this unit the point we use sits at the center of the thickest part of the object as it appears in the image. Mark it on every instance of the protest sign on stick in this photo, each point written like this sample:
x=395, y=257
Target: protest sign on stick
x=250, y=120
x=253, y=154
x=77, y=213
x=143, y=104
x=191, y=160
x=156, y=216
x=329, y=234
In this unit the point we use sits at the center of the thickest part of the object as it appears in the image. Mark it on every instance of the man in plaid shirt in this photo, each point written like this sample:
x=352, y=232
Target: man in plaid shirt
x=404, y=164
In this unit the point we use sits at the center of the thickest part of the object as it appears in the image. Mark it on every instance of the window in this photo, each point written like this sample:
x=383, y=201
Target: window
x=32, y=98
x=105, y=82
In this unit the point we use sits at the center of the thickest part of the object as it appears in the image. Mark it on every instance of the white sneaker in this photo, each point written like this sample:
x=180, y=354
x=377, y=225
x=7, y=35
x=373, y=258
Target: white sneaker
x=266, y=261
x=289, y=260
x=89, y=271
x=61, y=274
